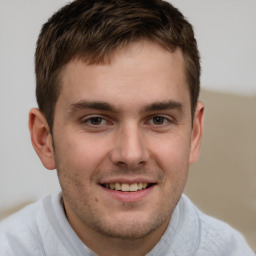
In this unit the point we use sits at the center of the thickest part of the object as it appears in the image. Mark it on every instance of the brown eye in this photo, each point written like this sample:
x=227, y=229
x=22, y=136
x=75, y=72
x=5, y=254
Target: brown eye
x=96, y=120
x=158, y=120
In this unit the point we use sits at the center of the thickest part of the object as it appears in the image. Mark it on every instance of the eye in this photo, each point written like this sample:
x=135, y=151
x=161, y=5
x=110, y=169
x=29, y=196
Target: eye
x=95, y=121
x=158, y=120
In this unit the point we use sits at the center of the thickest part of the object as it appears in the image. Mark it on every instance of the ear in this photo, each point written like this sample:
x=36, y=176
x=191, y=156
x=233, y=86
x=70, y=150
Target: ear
x=197, y=133
x=41, y=138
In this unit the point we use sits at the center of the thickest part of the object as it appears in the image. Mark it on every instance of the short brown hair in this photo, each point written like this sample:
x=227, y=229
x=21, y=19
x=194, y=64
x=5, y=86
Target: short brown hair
x=92, y=29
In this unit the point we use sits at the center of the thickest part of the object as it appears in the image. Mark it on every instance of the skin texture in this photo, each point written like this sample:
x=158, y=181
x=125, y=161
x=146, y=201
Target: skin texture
x=125, y=121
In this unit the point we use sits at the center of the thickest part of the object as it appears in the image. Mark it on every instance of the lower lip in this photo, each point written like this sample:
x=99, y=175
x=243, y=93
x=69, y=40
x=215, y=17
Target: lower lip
x=129, y=196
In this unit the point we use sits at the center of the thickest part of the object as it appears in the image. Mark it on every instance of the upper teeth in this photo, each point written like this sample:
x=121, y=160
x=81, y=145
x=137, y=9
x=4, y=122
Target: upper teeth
x=127, y=187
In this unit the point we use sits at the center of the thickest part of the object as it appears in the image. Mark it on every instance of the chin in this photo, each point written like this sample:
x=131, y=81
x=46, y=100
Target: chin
x=130, y=227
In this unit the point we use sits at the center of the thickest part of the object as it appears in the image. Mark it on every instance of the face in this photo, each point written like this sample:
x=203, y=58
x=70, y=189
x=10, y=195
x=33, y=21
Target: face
x=123, y=141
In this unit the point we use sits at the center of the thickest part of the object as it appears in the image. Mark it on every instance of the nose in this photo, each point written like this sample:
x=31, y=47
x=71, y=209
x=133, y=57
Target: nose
x=129, y=147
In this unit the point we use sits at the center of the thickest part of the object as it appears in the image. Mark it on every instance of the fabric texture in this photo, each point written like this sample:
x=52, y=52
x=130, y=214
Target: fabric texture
x=41, y=229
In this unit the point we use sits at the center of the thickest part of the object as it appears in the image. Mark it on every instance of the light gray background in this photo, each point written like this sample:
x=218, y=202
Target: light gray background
x=226, y=34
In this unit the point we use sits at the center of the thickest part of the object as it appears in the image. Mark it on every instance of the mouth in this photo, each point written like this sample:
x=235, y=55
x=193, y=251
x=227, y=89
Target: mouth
x=125, y=187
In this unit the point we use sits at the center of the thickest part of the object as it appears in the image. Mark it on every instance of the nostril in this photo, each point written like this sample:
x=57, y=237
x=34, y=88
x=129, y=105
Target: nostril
x=131, y=165
x=121, y=164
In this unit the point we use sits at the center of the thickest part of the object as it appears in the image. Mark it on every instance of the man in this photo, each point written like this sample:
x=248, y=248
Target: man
x=119, y=118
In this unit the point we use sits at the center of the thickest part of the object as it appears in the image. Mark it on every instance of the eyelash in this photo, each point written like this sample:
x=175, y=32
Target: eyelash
x=163, y=118
x=105, y=121
x=89, y=120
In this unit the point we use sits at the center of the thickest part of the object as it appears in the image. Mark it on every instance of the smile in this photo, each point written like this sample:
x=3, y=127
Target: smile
x=125, y=187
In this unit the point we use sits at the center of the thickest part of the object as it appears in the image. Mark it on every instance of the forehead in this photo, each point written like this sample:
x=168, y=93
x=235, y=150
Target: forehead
x=141, y=72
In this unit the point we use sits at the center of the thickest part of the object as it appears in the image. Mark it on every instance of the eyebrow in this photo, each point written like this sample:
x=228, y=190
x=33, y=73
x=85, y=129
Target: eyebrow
x=104, y=106
x=171, y=104
x=92, y=105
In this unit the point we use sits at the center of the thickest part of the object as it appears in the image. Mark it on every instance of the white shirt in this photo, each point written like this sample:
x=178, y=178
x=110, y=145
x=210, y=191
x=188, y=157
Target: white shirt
x=42, y=229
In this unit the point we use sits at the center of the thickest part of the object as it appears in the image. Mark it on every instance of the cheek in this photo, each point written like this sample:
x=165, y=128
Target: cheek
x=79, y=156
x=172, y=152
x=172, y=157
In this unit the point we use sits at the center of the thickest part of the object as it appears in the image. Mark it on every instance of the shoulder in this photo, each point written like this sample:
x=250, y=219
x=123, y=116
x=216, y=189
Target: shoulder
x=21, y=219
x=218, y=237
x=20, y=231
x=40, y=229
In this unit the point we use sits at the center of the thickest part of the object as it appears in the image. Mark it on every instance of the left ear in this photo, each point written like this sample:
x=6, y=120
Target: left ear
x=197, y=133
